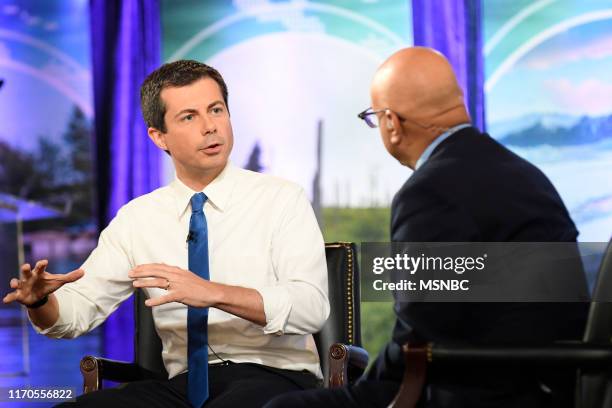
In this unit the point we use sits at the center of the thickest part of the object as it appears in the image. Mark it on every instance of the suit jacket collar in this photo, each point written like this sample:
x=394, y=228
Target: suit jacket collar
x=464, y=135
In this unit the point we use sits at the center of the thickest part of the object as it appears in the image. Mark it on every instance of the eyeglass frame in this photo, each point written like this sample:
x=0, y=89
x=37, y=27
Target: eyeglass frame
x=364, y=116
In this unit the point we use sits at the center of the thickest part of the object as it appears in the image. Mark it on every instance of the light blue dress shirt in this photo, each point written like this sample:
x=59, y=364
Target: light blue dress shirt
x=429, y=150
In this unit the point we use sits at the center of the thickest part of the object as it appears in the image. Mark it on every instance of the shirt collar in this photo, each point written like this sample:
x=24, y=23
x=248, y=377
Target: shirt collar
x=218, y=191
x=429, y=150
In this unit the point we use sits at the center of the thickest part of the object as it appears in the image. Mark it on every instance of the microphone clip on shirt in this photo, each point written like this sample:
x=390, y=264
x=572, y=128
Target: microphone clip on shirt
x=190, y=236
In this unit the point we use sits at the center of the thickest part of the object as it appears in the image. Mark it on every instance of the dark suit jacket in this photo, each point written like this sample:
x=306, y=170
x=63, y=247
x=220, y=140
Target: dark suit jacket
x=473, y=189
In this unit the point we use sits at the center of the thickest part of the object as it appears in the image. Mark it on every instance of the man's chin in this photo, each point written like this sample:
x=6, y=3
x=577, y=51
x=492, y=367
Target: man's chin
x=213, y=164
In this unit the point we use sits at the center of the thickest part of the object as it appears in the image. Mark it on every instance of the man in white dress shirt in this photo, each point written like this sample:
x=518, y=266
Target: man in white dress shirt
x=267, y=291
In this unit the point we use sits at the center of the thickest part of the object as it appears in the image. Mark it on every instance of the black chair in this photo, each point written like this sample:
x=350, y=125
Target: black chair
x=591, y=357
x=340, y=337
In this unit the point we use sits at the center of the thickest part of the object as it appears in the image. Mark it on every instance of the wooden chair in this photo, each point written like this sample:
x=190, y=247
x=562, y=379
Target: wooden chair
x=340, y=338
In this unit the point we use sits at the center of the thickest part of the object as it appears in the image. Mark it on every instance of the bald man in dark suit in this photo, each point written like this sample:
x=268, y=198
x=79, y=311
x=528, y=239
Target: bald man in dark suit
x=466, y=187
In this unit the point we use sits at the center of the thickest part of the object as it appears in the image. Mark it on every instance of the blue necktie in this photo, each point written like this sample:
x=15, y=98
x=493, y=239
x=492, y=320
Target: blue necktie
x=197, y=317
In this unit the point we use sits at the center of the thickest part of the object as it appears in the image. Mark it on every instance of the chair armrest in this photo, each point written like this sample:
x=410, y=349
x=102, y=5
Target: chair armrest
x=95, y=369
x=558, y=355
x=346, y=364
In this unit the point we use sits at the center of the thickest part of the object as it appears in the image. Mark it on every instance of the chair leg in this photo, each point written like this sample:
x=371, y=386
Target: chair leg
x=415, y=359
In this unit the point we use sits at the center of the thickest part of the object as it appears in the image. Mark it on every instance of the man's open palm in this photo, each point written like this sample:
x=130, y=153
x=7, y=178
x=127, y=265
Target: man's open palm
x=37, y=283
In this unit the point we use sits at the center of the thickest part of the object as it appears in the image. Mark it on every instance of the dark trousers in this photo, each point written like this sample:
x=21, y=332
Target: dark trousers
x=379, y=394
x=364, y=394
x=230, y=385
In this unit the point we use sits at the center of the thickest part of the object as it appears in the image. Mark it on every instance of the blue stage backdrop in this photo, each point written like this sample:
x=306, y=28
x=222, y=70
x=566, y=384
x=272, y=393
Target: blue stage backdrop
x=460, y=40
x=46, y=172
x=125, y=48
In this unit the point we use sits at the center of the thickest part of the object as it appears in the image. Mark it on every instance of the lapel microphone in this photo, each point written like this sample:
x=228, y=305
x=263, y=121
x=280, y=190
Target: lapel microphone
x=190, y=236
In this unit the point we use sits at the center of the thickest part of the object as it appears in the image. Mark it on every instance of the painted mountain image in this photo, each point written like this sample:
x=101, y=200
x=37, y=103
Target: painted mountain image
x=554, y=130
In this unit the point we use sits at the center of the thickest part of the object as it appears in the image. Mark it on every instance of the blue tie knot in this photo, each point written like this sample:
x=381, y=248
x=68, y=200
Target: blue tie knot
x=197, y=202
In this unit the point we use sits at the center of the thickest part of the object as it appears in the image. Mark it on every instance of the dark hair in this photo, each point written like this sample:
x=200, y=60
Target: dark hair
x=173, y=74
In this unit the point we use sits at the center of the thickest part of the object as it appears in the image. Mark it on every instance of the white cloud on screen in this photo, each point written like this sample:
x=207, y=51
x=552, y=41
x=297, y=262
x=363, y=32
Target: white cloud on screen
x=588, y=97
x=290, y=15
x=597, y=49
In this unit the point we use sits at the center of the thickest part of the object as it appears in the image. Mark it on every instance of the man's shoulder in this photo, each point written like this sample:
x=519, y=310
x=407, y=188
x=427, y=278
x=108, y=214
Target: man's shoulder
x=462, y=168
x=471, y=149
x=248, y=179
x=158, y=196
x=474, y=160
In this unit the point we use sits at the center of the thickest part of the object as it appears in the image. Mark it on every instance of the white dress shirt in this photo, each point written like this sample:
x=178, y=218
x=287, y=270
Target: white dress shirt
x=262, y=234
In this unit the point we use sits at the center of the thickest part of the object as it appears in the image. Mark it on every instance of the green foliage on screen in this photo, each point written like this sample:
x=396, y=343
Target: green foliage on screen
x=356, y=224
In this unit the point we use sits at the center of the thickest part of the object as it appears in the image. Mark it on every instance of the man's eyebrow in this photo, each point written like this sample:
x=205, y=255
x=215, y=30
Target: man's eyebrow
x=218, y=101
x=193, y=110
x=188, y=110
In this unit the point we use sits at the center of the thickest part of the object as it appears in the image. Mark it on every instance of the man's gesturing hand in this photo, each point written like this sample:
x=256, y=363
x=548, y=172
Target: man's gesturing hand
x=182, y=285
x=37, y=283
x=188, y=288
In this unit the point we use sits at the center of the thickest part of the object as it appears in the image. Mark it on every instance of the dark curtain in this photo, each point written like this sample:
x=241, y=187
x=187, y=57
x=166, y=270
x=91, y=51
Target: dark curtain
x=454, y=28
x=125, y=48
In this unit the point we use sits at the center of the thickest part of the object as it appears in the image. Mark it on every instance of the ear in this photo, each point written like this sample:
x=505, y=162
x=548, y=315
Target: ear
x=394, y=128
x=158, y=137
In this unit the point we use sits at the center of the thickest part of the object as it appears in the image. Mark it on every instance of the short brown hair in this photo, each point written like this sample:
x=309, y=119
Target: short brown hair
x=173, y=74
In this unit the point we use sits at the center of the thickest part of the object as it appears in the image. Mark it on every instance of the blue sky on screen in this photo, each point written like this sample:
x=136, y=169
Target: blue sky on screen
x=45, y=63
x=555, y=58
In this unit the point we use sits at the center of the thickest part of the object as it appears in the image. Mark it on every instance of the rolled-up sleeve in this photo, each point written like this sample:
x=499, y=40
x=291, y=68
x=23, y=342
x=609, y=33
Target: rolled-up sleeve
x=87, y=302
x=298, y=303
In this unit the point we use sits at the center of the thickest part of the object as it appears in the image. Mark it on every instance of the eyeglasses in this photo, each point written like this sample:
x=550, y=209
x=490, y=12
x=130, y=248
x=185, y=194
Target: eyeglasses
x=370, y=117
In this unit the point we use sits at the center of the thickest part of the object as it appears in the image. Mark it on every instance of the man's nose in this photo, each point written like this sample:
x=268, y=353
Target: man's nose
x=208, y=126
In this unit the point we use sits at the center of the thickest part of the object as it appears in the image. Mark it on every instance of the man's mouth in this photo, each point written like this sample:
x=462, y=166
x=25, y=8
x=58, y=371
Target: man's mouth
x=212, y=148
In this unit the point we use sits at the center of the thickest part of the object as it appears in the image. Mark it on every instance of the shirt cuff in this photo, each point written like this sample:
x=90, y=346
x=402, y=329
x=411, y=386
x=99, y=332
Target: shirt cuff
x=63, y=322
x=277, y=306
